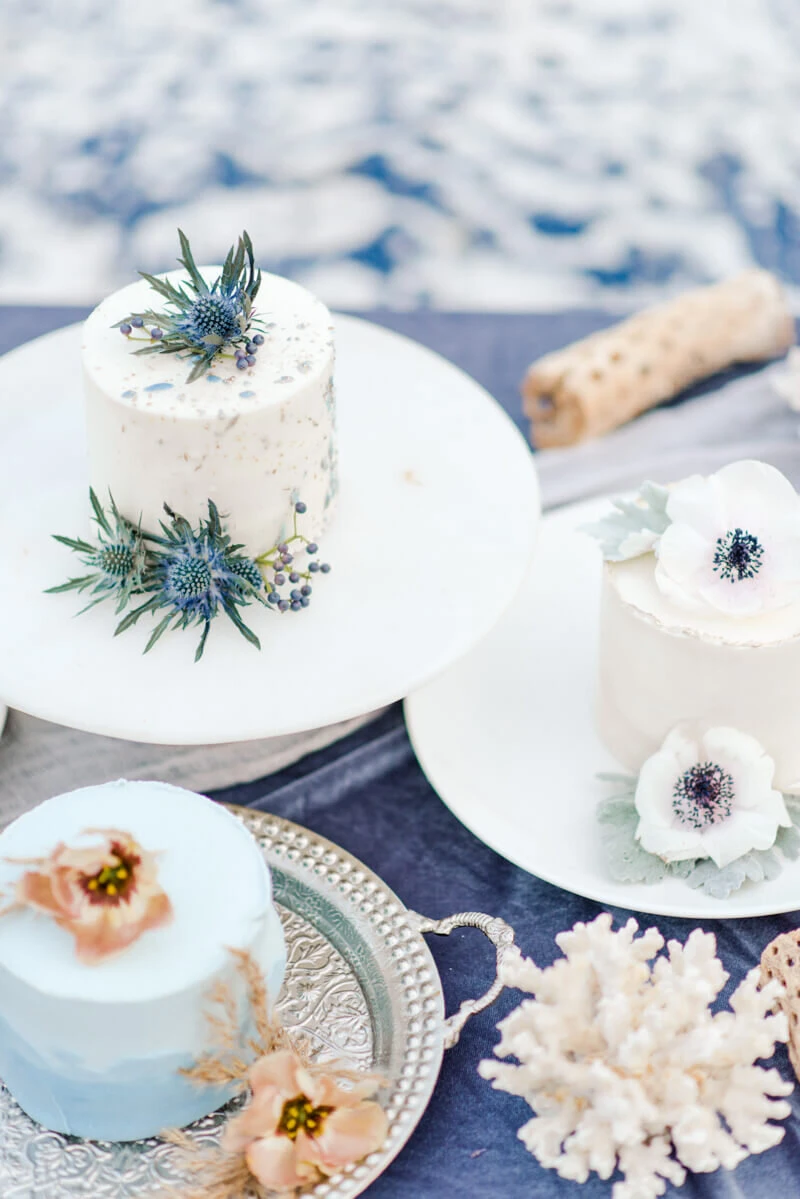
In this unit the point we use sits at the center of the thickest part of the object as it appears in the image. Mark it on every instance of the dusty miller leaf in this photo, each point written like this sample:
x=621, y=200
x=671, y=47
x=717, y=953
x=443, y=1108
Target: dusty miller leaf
x=634, y=526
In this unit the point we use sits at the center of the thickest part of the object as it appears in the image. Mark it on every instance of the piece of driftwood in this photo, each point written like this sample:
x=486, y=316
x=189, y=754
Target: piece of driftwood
x=598, y=383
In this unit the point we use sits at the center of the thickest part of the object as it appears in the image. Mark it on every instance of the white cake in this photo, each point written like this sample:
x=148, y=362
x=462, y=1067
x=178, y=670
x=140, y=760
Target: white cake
x=94, y=1050
x=661, y=665
x=254, y=441
x=700, y=616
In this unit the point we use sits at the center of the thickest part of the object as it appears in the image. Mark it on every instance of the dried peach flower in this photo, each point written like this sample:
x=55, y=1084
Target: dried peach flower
x=301, y=1123
x=105, y=895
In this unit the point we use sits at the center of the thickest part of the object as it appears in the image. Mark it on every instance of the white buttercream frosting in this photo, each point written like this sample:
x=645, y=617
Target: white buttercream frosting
x=661, y=665
x=254, y=440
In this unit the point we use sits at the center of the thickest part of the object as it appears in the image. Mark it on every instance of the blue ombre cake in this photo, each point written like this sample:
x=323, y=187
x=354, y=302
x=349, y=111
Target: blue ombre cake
x=95, y=1050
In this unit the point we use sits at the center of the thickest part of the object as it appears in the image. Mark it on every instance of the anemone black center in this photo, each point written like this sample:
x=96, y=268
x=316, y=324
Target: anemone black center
x=116, y=560
x=703, y=795
x=214, y=315
x=738, y=555
x=189, y=577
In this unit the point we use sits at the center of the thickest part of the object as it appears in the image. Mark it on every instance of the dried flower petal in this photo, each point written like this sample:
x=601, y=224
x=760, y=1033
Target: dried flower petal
x=301, y=1124
x=106, y=895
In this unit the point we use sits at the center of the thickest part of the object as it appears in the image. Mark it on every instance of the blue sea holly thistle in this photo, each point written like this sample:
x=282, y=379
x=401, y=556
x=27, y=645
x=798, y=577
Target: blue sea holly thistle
x=186, y=577
x=117, y=559
x=195, y=575
x=200, y=321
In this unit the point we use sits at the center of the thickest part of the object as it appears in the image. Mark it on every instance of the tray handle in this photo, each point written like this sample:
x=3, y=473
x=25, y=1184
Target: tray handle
x=502, y=937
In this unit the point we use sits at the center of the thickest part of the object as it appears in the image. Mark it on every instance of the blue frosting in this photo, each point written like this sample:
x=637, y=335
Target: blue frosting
x=132, y=1100
x=135, y=1099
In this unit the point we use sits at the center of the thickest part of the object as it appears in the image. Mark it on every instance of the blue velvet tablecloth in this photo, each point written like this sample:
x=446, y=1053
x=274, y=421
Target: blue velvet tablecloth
x=368, y=794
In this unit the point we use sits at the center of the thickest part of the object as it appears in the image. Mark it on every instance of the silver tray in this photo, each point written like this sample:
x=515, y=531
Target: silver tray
x=361, y=984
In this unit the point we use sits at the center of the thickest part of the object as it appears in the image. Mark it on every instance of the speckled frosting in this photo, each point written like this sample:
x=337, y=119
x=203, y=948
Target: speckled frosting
x=254, y=441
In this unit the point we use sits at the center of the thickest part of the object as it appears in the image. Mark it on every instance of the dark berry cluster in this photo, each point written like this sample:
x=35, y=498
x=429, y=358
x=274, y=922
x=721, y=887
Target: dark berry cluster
x=281, y=569
x=246, y=356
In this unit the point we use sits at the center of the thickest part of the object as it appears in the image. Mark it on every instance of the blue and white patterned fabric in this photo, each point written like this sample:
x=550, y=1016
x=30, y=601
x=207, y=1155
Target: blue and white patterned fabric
x=486, y=154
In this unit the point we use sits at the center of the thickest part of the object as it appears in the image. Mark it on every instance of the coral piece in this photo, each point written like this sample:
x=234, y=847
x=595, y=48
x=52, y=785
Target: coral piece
x=780, y=962
x=625, y=1066
x=598, y=383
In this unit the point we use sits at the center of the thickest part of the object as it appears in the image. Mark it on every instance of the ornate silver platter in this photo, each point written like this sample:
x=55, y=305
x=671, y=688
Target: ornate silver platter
x=361, y=984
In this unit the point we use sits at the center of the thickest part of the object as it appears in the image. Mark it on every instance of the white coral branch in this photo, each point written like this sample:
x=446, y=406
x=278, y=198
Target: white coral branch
x=627, y=1068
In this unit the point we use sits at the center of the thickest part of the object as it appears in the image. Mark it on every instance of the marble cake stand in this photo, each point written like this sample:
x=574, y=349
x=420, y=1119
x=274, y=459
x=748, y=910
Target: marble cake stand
x=436, y=525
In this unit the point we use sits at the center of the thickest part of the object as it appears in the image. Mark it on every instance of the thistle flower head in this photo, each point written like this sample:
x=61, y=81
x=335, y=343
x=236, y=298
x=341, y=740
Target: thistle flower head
x=117, y=559
x=195, y=574
x=199, y=319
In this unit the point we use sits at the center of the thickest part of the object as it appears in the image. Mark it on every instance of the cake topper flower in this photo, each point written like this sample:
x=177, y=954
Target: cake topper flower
x=304, y=1120
x=733, y=541
x=191, y=576
x=728, y=543
x=703, y=808
x=301, y=1124
x=199, y=320
x=627, y=1068
x=105, y=895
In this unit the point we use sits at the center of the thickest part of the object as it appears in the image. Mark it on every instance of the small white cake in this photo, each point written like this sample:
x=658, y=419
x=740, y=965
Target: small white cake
x=661, y=666
x=95, y=1049
x=700, y=617
x=254, y=441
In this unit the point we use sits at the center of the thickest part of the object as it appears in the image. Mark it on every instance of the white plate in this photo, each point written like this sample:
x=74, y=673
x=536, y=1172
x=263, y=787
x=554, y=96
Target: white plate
x=506, y=737
x=435, y=480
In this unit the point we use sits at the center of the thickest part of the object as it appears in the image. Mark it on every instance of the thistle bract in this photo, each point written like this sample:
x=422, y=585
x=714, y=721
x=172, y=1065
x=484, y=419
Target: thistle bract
x=118, y=559
x=199, y=320
x=193, y=576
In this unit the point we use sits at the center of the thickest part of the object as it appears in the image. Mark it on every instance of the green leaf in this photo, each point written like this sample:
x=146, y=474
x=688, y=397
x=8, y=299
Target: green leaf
x=77, y=584
x=627, y=861
x=99, y=514
x=130, y=620
x=201, y=645
x=246, y=632
x=720, y=882
x=163, y=287
x=645, y=513
x=187, y=260
x=199, y=368
x=82, y=547
x=160, y=628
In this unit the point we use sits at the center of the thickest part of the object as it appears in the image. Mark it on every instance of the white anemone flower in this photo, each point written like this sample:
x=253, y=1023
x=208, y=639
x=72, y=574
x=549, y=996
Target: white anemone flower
x=733, y=542
x=707, y=793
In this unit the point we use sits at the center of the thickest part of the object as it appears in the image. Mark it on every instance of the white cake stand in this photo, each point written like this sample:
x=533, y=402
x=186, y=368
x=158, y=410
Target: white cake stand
x=436, y=480
x=506, y=737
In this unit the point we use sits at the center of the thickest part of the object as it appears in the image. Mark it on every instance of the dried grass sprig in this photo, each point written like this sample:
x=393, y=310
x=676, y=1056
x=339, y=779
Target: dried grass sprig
x=225, y=1065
